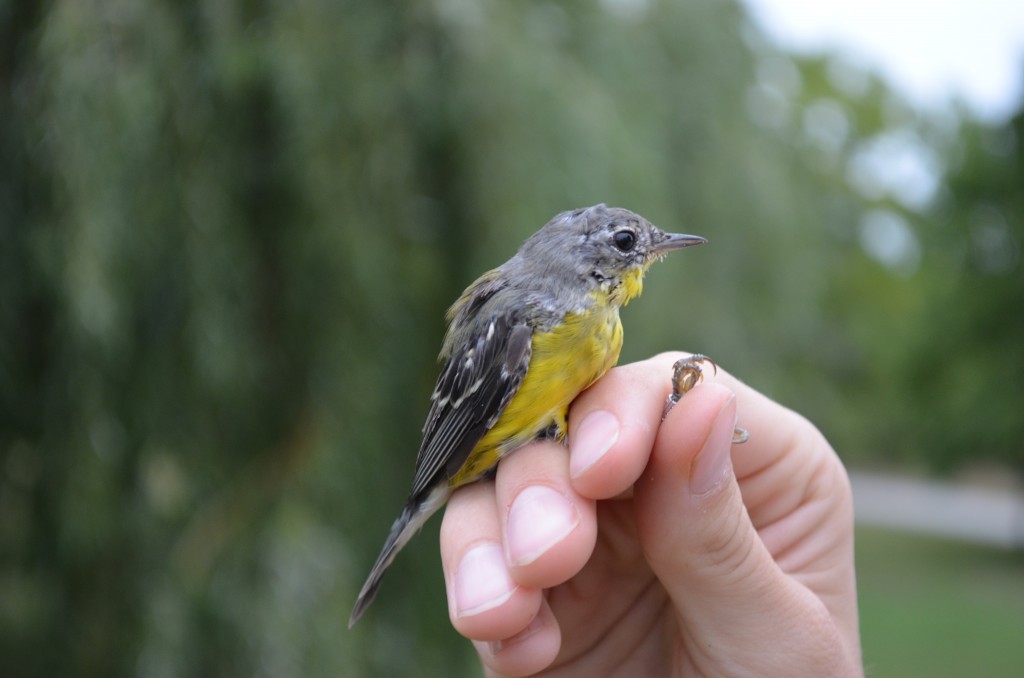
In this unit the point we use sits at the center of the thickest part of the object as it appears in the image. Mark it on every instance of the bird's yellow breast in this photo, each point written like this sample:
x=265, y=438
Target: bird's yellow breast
x=630, y=286
x=564, y=361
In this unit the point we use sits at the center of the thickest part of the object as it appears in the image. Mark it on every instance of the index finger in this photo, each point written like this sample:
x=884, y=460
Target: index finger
x=612, y=426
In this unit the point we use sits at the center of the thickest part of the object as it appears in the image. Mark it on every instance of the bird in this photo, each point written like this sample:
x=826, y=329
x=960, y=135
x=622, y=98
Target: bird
x=522, y=342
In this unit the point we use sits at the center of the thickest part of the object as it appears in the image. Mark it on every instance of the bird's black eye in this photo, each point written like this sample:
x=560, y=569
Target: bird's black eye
x=625, y=240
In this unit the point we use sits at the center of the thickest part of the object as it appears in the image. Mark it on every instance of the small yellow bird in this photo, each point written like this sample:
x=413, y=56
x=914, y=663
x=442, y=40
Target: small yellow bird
x=523, y=341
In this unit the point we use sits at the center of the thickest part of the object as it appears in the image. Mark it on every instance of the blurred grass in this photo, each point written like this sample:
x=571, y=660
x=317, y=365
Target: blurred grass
x=931, y=607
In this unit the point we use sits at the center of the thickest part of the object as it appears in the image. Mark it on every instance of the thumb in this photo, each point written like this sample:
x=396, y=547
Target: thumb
x=694, y=528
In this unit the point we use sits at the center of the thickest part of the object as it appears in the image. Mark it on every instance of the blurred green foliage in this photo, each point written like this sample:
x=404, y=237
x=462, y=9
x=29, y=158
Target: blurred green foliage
x=228, y=233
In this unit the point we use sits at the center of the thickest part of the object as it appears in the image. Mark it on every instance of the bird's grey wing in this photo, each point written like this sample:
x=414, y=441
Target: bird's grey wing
x=477, y=383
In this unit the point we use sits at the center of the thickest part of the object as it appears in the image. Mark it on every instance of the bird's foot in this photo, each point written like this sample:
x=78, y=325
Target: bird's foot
x=687, y=373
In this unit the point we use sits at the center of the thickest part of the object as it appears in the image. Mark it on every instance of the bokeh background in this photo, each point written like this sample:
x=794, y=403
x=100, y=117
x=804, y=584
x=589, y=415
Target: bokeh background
x=229, y=232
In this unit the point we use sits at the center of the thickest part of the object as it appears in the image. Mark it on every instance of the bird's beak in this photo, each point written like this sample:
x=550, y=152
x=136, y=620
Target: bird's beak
x=677, y=241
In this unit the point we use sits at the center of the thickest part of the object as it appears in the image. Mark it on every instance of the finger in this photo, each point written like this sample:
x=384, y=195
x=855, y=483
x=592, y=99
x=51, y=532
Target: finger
x=784, y=451
x=692, y=523
x=528, y=652
x=798, y=498
x=689, y=511
x=612, y=427
x=775, y=431
x=549, y=529
x=796, y=495
x=794, y=487
x=484, y=601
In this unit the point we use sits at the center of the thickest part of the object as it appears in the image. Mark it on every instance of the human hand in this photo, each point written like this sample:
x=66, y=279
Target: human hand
x=648, y=549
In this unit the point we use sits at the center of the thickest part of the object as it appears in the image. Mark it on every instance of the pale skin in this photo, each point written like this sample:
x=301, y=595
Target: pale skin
x=655, y=547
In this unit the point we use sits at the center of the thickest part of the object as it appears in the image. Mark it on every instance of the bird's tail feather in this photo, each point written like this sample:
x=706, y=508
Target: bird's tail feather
x=413, y=516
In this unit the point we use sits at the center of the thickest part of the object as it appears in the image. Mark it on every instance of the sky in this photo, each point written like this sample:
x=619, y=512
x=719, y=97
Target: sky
x=930, y=50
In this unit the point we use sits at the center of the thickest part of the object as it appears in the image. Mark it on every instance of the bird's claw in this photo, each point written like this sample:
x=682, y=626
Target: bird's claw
x=687, y=373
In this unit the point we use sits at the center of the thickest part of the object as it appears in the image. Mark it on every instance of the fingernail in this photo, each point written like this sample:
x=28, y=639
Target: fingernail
x=496, y=646
x=595, y=436
x=713, y=464
x=481, y=581
x=539, y=519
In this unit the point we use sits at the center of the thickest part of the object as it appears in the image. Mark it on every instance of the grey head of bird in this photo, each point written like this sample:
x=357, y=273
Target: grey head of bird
x=596, y=248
